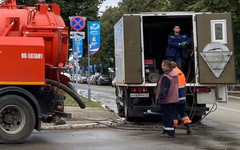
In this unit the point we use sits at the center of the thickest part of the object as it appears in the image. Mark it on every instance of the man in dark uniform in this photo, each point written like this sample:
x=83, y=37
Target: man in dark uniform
x=177, y=44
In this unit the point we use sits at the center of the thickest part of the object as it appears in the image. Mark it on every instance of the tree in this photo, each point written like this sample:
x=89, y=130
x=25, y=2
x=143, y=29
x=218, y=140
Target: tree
x=137, y=6
x=108, y=20
x=86, y=8
x=113, y=14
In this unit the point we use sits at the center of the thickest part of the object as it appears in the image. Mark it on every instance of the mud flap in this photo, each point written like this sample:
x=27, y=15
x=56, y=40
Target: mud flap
x=135, y=113
x=221, y=94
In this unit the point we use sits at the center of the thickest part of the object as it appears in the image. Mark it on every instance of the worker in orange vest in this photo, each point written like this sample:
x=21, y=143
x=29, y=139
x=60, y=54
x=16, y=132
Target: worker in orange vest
x=180, y=106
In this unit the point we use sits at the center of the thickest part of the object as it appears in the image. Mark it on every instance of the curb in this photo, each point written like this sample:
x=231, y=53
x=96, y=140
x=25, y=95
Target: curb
x=234, y=97
x=95, y=124
x=100, y=124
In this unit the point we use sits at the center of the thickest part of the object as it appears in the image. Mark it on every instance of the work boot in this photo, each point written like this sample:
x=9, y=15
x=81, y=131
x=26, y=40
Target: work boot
x=59, y=121
x=189, y=130
x=167, y=136
x=175, y=123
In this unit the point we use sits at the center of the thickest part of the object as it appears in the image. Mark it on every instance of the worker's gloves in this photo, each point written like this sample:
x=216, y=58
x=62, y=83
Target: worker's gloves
x=183, y=44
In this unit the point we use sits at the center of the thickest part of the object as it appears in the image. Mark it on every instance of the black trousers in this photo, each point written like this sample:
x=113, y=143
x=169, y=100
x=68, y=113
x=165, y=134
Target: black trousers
x=168, y=116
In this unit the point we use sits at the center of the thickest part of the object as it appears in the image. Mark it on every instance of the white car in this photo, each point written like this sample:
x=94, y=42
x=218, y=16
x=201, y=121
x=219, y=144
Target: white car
x=68, y=75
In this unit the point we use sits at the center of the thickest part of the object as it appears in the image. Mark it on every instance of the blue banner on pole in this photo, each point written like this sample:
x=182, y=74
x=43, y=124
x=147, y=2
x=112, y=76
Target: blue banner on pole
x=94, y=36
x=78, y=43
x=101, y=66
x=91, y=68
x=95, y=68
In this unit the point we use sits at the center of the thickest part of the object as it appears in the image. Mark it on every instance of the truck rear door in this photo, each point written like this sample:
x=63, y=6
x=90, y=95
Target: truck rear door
x=128, y=52
x=215, y=48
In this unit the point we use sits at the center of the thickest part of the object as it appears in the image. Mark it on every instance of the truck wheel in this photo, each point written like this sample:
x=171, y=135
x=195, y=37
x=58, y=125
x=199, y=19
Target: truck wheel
x=120, y=110
x=119, y=107
x=17, y=119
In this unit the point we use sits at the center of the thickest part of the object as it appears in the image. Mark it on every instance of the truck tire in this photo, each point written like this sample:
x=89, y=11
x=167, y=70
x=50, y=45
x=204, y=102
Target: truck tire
x=17, y=119
x=120, y=108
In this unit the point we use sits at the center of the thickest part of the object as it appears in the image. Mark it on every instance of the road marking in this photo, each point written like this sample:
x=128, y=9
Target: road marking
x=229, y=109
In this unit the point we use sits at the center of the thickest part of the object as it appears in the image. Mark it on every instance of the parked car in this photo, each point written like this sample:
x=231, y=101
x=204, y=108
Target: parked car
x=104, y=80
x=74, y=78
x=83, y=79
x=68, y=75
x=94, y=79
x=90, y=79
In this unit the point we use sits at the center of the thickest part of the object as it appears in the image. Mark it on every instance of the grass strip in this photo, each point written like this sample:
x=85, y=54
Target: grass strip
x=69, y=101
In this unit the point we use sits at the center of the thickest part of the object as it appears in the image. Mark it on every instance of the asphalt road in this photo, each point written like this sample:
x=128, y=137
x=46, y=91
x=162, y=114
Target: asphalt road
x=132, y=137
x=227, y=113
x=220, y=130
x=104, y=94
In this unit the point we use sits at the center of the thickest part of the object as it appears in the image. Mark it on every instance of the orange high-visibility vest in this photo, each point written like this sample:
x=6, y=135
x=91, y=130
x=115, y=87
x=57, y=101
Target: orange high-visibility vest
x=181, y=77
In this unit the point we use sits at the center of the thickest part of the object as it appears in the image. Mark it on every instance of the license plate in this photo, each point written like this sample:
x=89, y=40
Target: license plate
x=139, y=94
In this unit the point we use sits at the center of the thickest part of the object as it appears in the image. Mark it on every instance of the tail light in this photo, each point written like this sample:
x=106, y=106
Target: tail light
x=59, y=107
x=202, y=89
x=139, y=90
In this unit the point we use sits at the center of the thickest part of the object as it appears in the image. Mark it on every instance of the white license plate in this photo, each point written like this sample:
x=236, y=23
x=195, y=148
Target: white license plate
x=139, y=94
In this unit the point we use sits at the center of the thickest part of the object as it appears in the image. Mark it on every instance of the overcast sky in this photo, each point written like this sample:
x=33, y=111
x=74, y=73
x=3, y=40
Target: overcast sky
x=109, y=3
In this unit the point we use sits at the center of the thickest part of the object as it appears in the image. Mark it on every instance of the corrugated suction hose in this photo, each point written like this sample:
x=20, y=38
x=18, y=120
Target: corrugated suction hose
x=69, y=91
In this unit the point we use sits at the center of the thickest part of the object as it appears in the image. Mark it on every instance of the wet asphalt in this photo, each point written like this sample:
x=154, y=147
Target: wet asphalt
x=218, y=131
x=131, y=137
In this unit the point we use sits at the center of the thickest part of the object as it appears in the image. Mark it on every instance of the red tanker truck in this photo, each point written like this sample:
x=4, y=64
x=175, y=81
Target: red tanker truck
x=33, y=53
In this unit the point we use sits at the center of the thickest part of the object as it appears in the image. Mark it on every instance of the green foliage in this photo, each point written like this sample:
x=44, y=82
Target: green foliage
x=137, y=6
x=113, y=14
x=85, y=8
x=26, y=2
x=89, y=9
x=108, y=19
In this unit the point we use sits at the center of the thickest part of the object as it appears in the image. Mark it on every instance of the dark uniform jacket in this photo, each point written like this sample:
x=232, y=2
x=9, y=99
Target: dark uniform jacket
x=173, y=48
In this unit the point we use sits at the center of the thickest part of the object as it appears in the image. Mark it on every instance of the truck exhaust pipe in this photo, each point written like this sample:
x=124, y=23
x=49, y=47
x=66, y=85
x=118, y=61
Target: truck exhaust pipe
x=69, y=91
x=46, y=118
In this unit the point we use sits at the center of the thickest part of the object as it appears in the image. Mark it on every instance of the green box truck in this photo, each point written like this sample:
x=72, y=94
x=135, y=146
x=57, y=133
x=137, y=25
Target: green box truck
x=140, y=46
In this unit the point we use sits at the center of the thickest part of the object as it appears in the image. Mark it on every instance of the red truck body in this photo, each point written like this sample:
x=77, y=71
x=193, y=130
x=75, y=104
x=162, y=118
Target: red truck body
x=33, y=53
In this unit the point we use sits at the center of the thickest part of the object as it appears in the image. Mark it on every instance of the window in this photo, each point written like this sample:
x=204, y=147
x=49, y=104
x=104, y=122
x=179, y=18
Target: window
x=218, y=31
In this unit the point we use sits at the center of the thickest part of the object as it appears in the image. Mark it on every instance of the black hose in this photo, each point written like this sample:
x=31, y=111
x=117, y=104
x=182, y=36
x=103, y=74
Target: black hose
x=69, y=84
x=73, y=94
x=47, y=118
